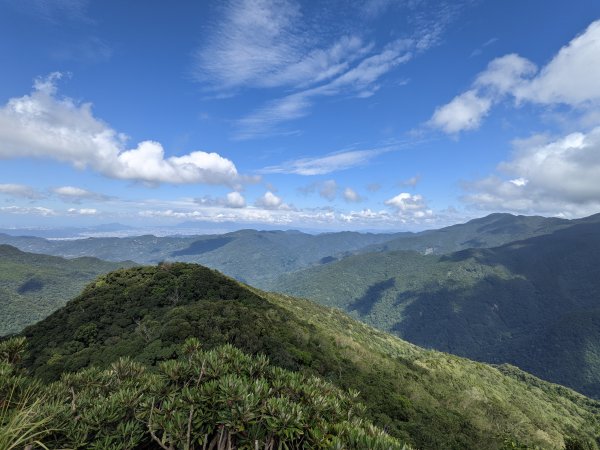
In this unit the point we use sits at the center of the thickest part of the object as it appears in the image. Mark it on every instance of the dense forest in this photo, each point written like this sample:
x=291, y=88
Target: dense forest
x=532, y=303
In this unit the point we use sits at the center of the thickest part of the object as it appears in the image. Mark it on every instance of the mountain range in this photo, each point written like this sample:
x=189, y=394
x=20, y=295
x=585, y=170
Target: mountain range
x=532, y=302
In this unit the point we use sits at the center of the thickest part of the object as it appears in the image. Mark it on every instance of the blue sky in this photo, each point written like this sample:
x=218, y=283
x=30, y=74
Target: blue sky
x=331, y=115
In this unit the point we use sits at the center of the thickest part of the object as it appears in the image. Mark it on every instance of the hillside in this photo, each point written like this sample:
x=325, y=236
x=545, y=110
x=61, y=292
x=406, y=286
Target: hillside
x=32, y=285
x=531, y=303
x=423, y=397
x=489, y=231
x=277, y=251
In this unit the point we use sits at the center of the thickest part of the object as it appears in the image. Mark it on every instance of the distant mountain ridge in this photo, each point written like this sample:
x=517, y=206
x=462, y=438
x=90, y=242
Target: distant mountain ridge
x=534, y=303
x=269, y=254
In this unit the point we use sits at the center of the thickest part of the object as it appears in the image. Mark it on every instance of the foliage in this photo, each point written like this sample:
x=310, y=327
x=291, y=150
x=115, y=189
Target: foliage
x=32, y=286
x=425, y=398
x=531, y=303
x=220, y=399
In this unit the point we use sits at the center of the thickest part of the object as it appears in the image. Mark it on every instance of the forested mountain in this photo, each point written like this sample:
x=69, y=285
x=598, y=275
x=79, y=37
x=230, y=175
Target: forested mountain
x=268, y=254
x=265, y=253
x=533, y=303
x=32, y=285
x=489, y=231
x=423, y=397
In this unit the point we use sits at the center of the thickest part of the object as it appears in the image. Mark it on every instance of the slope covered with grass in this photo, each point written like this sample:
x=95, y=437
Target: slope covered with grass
x=423, y=397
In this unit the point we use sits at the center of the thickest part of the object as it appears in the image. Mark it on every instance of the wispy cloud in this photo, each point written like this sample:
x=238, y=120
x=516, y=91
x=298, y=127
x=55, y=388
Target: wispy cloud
x=333, y=162
x=54, y=11
x=266, y=44
x=77, y=195
x=24, y=210
x=20, y=191
x=359, y=81
x=479, y=50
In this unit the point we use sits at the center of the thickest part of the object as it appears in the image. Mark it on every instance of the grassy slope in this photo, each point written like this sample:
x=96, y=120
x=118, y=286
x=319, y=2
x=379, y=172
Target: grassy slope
x=32, y=286
x=429, y=398
x=532, y=303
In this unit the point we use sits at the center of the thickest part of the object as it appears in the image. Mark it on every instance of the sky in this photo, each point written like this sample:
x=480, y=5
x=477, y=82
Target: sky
x=323, y=115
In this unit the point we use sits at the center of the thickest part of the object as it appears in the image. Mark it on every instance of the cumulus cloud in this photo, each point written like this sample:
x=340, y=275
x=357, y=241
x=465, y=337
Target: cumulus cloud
x=410, y=206
x=270, y=201
x=572, y=75
x=20, y=191
x=235, y=200
x=544, y=176
x=350, y=195
x=464, y=112
x=42, y=125
x=570, y=78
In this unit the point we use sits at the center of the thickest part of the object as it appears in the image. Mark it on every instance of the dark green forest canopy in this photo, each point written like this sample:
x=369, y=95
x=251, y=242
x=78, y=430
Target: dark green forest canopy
x=32, y=285
x=426, y=398
x=532, y=303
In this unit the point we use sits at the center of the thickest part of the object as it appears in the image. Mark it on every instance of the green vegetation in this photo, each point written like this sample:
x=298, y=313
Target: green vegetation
x=425, y=398
x=267, y=253
x=489, y=231
x=219, y=399
x=531, y=303
x=32, y=286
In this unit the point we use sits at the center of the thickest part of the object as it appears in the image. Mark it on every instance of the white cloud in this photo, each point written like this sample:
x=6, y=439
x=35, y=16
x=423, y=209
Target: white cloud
x=545, y=176
x=505, y=74
x=464, y=112
x=76, y=194
x=410, y=206
x=82, y=211
x=34, y=210
x=264, y=43
x=359, y=81
x=570, y=78
x=20, y=190
x=41, y=125
x=333, y=162
x=572, y=75
x=270, y=201
x=350, y=195
x=235, y=200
